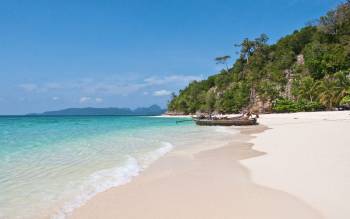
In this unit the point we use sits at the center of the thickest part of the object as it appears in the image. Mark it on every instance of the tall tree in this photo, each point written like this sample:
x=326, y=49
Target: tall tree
x=332, y=89
x=223, y=60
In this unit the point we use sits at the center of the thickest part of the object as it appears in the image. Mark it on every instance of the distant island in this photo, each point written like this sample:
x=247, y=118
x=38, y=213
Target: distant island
x=153, y=110
x=308, y=70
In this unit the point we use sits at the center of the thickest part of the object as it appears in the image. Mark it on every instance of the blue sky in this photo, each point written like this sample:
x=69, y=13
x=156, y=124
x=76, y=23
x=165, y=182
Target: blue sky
x=101, y=53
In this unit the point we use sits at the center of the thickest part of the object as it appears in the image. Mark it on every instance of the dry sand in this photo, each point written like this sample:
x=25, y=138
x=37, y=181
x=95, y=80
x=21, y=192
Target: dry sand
x=298, y=168
x=307, y=155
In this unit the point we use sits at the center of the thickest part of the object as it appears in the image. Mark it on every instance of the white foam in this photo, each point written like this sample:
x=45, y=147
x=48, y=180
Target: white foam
x=108, y=178
x=228, y=130
x=153, y=156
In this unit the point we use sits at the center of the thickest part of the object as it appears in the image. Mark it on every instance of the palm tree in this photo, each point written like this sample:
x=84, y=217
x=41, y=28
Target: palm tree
x=327, y=93
x=333, y=89
x=342, y=85
x=223, y=60
x=308, y=88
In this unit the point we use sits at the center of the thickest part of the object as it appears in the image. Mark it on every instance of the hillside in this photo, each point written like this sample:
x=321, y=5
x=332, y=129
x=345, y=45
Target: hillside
x=307, y=70
x=89, y=111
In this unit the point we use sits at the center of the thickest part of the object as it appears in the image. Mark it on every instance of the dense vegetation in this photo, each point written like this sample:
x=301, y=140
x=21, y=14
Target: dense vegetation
x=305, y=71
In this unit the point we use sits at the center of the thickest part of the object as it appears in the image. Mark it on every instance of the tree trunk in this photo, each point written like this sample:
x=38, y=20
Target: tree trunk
x=252, y=96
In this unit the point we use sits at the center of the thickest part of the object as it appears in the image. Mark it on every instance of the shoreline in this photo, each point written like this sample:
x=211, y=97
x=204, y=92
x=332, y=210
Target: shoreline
x=210, y=182
x=243, y=176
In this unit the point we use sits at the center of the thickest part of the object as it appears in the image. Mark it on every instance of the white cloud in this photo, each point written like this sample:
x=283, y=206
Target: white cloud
x=55, y=98
x=84, y=99
x=98, y=100
x=52, y=85
x=177, y=79
x=29, y=87
x=89, y=87
x=117, y=86
x=161, y=93
x=114, y=88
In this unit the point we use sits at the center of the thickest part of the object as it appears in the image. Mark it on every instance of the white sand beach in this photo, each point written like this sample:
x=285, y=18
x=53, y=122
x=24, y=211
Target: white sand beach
x=290, y=166
x=307, y=155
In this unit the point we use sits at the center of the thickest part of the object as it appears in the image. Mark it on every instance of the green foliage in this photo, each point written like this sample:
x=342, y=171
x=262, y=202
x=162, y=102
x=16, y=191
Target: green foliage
x=332, y=89
x=297, y=41
x=267, y=90
x=336, y=22
x=210, y=101
x=222, y=80
x=309, y=68
x=306, y=88
x=289, y=106
x=345, y=101
x=322, y=59
x=234, y=98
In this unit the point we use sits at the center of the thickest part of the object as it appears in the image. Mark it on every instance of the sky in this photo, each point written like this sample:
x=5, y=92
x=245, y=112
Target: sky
x=127, y=53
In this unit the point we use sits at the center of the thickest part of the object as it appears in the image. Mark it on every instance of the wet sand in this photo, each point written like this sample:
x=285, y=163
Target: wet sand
x=201, y=182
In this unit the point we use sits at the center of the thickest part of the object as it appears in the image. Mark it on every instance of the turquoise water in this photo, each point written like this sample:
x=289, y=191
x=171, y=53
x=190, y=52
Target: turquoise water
x=51, y=165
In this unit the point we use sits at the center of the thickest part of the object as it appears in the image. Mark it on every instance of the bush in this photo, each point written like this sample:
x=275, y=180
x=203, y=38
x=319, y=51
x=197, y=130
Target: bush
x=284, y=106
x=289, y=106
x=308, y=106
x=345, y=101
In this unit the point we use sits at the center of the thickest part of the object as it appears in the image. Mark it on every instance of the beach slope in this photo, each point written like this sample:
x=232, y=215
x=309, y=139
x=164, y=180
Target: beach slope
x=307, y=155
x=290, y=166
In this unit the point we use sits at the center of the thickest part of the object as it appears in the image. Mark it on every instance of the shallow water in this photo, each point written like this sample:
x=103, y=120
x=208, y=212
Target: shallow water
x=51, y=165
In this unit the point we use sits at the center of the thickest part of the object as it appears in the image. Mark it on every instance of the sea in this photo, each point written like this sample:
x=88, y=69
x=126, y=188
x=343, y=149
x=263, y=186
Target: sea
x=51, y=165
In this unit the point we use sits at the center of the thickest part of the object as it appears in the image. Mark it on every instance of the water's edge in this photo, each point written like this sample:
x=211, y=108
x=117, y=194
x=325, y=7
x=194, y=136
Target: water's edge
x=51, y=166
x=106, y=179
x=125, y=174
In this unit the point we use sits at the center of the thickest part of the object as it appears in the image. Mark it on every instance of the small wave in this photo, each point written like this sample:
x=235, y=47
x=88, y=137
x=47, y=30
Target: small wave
x=155, y=155
x=105, y=179
x=228, y=130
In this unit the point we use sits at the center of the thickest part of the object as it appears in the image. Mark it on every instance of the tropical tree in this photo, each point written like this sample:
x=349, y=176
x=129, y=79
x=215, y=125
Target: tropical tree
x=210, y=102
x=327, y=93
x=333, y=22
x=248, y=47
x=306, y=88
x=342, y=85
x=263, y=72
x=346, y=100
x=267, y=91
x=333, y=89
x=223, y=60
